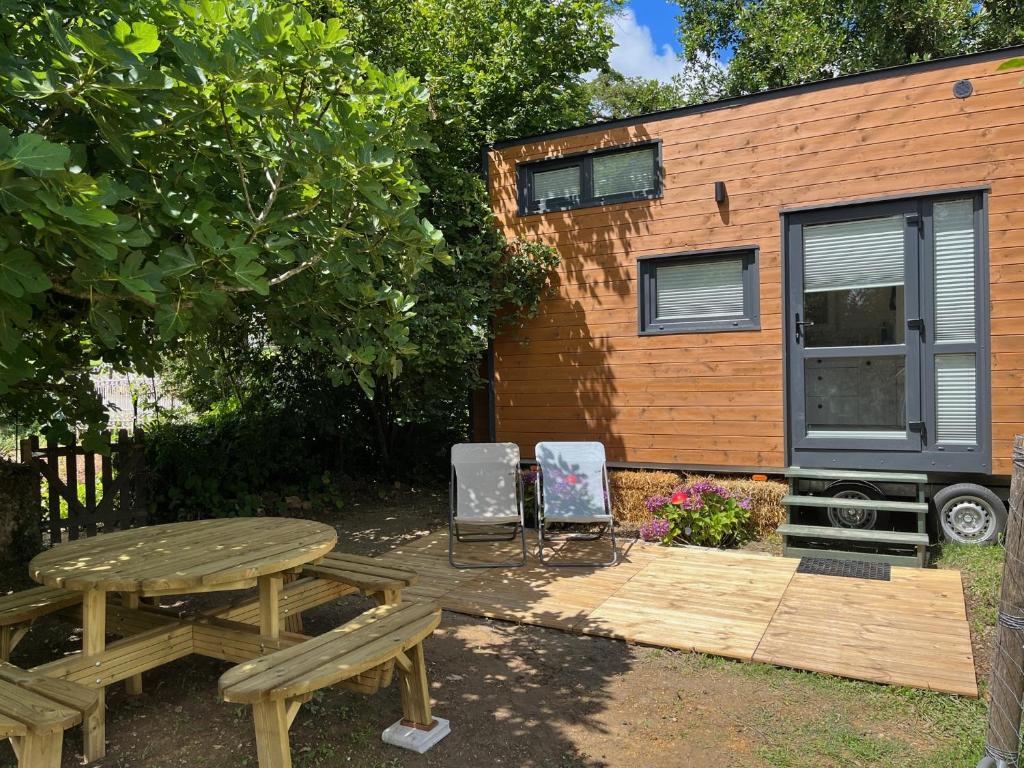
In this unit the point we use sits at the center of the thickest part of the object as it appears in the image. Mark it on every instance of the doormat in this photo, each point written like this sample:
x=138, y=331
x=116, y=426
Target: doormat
x=854, y=569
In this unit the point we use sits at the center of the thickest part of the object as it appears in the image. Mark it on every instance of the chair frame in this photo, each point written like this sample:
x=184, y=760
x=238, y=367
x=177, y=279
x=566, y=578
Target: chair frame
x=518, y=528
x=609, y=527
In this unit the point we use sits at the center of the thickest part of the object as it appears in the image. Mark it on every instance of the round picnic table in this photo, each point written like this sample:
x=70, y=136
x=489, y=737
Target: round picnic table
x=178, y=559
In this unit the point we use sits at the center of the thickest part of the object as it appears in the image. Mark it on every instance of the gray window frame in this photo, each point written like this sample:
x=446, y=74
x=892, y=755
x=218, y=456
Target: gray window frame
x=586, y=198
x=647, y=272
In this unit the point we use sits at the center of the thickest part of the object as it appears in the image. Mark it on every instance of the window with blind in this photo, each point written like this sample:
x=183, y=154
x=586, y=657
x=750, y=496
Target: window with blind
x=954, y=348
x=704, y=291
x=594, y=178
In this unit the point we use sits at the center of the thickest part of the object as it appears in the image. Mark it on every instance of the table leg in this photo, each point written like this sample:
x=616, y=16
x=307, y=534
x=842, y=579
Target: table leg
x=133, y=685
x=270, y=587
x=94, y=641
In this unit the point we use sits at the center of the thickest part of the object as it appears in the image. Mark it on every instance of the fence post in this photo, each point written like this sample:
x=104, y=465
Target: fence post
x=1002, y=744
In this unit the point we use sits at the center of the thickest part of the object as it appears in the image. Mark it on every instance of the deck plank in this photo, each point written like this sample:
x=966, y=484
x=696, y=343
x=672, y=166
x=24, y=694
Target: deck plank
x=909, y=631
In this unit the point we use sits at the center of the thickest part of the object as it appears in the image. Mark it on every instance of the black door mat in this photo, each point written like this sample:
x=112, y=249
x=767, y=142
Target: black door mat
x=854, y=569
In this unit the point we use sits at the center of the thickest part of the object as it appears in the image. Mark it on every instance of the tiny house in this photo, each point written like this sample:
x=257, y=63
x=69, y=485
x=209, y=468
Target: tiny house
x=827, y=277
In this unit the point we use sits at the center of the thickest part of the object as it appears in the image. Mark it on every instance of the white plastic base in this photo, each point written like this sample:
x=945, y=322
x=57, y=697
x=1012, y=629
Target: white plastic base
x=416, y=739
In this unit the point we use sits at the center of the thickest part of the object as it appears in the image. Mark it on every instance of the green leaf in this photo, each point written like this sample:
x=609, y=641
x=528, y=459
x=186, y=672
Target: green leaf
x=1015, y=63
x=31, y=152
x=141, y=37
x=170, y=320
x=20, y=273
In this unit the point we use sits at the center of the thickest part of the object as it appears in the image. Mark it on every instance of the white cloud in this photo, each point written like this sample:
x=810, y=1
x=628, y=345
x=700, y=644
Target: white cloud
x=636, y=55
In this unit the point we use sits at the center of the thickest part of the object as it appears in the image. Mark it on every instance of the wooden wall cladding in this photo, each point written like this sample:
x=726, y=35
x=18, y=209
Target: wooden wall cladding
x=579, y=370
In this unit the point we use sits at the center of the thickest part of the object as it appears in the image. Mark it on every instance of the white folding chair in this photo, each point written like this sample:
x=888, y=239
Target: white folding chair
x=572, y=488
x=486, y=492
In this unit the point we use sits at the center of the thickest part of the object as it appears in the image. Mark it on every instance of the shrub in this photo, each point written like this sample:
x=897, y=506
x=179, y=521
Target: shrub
x=766, y=510
x=704, y=513
x=630, y=489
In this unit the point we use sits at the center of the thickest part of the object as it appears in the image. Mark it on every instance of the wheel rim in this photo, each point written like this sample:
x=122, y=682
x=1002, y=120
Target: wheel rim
x=838, y=517
x=968, y=519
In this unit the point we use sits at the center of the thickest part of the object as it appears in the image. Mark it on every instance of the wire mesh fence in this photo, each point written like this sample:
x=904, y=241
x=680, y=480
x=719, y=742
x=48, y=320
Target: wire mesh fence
x=1006, y=687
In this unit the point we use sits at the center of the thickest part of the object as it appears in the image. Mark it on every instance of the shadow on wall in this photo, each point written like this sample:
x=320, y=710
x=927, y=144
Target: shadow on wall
x=555, y=379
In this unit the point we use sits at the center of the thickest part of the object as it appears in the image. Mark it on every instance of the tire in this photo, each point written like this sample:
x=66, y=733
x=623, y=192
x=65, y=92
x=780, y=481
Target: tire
x=854, y=518
x=969, y=514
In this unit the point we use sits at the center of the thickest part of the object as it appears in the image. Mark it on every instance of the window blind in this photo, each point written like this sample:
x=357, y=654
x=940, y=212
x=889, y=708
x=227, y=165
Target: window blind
x=853, y=254
x=623, y=172
x=956, y=401
x=556, y=184
x=700, y=289
x=954, y=270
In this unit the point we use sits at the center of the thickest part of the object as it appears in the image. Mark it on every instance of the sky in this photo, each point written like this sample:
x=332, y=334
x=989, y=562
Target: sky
x=645, y=40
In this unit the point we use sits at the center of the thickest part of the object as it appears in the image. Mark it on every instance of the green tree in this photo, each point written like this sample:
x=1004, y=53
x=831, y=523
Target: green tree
x=164, y=167
x=613, y=95
x=494, y=69
x=782, y=42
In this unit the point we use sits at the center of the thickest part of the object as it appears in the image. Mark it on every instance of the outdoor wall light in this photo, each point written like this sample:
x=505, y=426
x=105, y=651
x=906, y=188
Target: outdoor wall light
x=719, y=192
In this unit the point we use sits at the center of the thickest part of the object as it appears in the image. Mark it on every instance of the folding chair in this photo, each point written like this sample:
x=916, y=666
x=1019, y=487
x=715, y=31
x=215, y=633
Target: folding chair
x=486, y=492
x=572, y=488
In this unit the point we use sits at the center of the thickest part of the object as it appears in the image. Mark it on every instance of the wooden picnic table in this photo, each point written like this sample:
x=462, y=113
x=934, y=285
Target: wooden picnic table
x=173, y=559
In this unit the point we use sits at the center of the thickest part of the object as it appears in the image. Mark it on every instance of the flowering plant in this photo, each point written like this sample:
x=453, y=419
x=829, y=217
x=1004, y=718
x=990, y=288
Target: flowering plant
x=702, y=513
x=655, y=530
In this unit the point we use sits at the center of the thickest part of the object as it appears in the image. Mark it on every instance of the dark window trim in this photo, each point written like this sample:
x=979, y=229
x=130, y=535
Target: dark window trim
x=526, y=170
x=647, y=267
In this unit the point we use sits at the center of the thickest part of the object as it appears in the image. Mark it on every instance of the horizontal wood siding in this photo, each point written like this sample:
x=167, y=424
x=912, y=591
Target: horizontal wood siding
x=579, y=369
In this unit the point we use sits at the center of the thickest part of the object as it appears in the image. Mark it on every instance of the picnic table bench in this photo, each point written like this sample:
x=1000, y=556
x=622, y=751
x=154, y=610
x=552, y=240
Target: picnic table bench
x=292, y=566
x=276, y=685
x=35, y=710
x=382, y=582
x=19, y=609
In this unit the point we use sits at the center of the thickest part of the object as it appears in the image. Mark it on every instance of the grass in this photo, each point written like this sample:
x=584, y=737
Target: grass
x=862, y=724
x=852, y=723
x=982, y=569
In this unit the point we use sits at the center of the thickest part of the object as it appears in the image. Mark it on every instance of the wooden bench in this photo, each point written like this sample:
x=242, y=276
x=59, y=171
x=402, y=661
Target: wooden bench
x=380, y=639
x=382, y=582
x=36, y=710
x=19, y=609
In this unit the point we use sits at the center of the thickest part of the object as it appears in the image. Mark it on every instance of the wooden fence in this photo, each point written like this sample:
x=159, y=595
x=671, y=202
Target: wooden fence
x=88, y=492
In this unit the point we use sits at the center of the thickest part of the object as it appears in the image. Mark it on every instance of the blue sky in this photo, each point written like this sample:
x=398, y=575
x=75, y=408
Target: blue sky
x=645, y=37
x=659, y=16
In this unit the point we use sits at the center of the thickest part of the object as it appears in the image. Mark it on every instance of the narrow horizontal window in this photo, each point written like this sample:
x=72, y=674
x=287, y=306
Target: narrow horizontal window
x=596, y=178
x=699, y=292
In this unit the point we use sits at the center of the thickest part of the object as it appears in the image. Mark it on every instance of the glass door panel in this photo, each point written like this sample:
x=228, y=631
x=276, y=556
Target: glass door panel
x=854, y=284
x=856, y=397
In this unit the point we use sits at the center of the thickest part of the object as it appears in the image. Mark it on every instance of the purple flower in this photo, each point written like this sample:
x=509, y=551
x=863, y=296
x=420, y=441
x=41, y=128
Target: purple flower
x=656, y=530
x=746, y=503
x=654, y=503
x=530, y=476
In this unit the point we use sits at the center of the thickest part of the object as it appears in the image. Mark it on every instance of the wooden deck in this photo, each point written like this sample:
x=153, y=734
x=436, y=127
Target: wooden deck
x=909, y=631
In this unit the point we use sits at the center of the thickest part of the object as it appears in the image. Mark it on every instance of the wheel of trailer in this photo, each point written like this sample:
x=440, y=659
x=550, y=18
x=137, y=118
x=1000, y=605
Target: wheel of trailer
x=841, y=517
x=970, y=514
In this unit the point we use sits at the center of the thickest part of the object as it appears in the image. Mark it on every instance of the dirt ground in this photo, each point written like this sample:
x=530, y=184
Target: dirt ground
x=526, y=696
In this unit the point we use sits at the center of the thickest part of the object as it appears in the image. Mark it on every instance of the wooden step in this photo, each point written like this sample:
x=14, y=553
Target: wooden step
x=798, y=473
x=883, y=505
x=866, y=536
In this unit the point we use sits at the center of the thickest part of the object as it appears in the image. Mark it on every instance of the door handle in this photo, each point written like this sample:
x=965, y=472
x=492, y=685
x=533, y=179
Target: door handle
x=800, y=325
x=915, y=323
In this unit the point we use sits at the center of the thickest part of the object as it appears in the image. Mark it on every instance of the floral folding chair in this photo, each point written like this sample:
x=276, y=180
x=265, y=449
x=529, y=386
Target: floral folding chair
x=486, y=499
x=572, y=490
